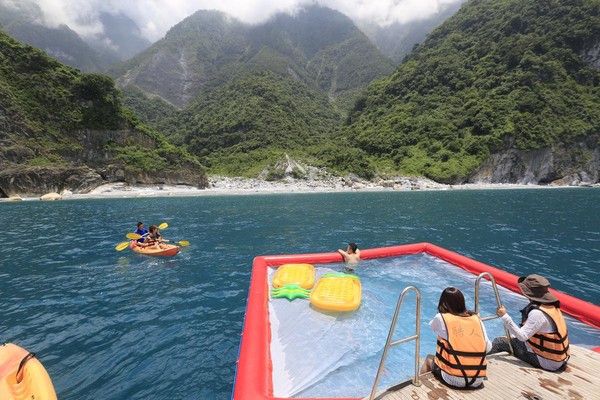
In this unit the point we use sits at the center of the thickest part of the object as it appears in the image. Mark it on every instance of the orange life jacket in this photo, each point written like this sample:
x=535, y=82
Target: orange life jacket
x=463, y=354
x=551, y=346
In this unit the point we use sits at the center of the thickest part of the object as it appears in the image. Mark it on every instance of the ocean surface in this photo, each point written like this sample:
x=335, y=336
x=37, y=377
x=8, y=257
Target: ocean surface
x=117, y=325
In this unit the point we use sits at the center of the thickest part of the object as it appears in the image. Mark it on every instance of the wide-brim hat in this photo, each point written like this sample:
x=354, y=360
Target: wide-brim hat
x=535, y=288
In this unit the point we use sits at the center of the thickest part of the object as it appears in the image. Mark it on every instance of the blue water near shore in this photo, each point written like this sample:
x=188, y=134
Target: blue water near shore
x=116, y=325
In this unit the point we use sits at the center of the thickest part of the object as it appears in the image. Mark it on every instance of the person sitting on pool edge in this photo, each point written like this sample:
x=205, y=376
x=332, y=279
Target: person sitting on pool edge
x=542, y=340
x=351, y=257
x=462, y=343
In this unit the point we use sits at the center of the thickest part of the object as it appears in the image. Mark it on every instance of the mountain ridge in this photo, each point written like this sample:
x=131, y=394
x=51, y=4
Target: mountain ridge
x=121, y=38
x=210, y=46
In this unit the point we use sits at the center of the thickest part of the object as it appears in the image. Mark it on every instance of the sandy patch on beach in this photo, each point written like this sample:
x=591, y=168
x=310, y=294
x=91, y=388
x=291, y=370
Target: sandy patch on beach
x=219, y=186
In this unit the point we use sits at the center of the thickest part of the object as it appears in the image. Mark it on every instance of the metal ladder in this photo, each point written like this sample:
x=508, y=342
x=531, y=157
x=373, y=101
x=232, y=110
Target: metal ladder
x=416, y=337
x=498, y=301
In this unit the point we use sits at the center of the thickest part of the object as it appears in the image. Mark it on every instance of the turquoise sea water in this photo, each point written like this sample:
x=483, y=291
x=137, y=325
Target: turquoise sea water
x=116, y=325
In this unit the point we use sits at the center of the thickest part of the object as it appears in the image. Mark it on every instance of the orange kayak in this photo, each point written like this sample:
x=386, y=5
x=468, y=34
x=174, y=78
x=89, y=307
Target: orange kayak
x=22, y=376
x=167, y=250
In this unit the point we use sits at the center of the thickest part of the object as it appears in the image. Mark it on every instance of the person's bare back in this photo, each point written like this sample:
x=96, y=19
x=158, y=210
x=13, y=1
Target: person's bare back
x=351, y=256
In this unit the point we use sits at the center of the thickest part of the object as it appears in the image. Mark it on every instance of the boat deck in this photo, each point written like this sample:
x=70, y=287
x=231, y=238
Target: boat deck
x=511, y=378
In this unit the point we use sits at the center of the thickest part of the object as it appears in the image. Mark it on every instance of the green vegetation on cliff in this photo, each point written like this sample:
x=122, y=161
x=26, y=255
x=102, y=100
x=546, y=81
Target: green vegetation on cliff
x=239, y=127
x=498, y=74
x=47, y=110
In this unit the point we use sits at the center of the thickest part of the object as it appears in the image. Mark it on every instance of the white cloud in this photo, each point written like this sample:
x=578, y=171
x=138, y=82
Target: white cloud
x=385, y=12
x=156, y=17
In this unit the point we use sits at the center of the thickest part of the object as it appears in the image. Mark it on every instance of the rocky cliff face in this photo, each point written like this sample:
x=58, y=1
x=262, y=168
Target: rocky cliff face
x=87, y=166
x=571, y=164
x=36, y=181
x=591, y=56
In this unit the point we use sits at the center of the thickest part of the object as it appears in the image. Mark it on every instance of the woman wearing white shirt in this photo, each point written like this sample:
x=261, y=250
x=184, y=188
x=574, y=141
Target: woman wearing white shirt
x=542, y=340
x=460, y=359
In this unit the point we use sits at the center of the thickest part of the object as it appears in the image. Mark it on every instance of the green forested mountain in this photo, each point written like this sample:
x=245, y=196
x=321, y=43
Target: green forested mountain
x=241, y=126
x=23, y=23
x=319, y=47
x=499, y=74
x=193, y=53
x=56, y=121
x=397, y=39
x=123, y=35
x=250, y=93
x=122, y=38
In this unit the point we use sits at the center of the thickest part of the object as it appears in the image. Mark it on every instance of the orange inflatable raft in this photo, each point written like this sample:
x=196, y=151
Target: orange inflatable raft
x=22, y=376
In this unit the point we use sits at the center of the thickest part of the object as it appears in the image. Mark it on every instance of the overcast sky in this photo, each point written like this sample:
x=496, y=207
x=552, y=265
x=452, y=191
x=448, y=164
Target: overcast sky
x=155, y=17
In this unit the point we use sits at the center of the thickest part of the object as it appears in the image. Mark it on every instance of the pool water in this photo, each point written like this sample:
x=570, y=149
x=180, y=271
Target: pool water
x=318, y=353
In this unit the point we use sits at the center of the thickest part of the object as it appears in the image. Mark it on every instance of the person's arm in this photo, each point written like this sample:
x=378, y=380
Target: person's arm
x=535, y=321
x=357, y=253
x=343, y=253
x=488, y=343
x=438, y=326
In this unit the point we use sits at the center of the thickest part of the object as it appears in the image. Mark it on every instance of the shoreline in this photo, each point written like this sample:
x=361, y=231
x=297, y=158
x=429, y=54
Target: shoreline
x=242, y=186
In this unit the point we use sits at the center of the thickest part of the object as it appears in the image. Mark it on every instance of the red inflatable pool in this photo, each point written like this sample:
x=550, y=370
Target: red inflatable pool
x=253, y=376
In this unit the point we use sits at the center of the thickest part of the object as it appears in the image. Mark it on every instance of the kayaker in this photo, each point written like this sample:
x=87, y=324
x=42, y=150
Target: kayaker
x=141, y=231
x=462, y=343
x=154, y=237
x=542, y=340
x=351, y=257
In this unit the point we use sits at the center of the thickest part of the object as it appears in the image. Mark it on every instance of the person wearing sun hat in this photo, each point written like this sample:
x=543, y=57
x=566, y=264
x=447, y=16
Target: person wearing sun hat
x=542, y=339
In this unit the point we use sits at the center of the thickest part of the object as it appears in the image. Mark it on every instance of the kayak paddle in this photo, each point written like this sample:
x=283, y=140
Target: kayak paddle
x=122, y=246
x=164, y=225
x=135, y=236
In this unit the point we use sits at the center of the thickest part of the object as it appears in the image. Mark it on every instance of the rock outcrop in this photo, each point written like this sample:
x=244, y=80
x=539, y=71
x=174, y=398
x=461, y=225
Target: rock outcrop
x=36, y=181
x=285, y=167
x=51, y=196
x=591, y=56
x=571, y=164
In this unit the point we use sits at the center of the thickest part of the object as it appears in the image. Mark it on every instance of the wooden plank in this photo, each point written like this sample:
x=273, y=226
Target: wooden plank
x=509, y=377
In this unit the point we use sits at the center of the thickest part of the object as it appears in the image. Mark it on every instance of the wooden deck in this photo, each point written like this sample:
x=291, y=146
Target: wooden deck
x=511, y=378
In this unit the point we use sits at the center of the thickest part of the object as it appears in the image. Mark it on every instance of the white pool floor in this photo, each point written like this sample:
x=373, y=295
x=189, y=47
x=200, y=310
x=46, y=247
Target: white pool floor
x=316, y=353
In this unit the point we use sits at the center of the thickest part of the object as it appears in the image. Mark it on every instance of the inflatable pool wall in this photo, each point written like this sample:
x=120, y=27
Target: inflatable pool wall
x=253, y=373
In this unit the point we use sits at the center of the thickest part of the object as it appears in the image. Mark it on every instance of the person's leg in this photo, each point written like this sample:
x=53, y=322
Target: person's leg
x=520, y=350
x=522, y=353
x=500, y=344
x=427, y=364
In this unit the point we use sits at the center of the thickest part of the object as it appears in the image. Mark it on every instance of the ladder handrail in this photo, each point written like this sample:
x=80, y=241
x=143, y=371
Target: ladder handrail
x=416, y=337
x=498, y=301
